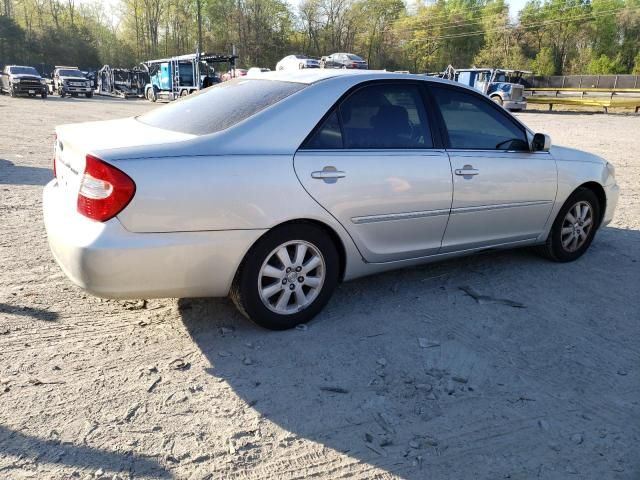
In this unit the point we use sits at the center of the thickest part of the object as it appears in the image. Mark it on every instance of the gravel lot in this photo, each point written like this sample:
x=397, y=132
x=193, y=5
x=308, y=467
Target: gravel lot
x=403, y=376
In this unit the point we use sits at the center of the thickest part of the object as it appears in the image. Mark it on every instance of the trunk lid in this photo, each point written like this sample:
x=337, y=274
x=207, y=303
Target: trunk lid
x=75, y=141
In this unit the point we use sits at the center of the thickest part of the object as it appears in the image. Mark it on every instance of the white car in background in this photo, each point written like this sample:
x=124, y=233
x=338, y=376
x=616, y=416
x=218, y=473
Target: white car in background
x=257, y=71
x=296, y=62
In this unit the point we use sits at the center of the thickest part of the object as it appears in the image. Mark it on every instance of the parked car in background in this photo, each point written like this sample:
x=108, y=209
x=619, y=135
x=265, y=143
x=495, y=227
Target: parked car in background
x=296, y=62
x=257, y=71
x=231, y=74
x=22, y=80
x=274, y=189
x=344, y=60
x=70, y=81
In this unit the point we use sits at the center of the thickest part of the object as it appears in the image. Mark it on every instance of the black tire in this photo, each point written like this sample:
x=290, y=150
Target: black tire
x=497, y=99
x=88, y=94
x=43, y=95
x=62, y=93
x=244, y=291
x=151, y=95
x=553, y=248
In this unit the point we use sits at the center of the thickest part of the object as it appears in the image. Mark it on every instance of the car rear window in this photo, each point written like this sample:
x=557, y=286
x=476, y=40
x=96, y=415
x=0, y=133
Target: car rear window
x=220, y=107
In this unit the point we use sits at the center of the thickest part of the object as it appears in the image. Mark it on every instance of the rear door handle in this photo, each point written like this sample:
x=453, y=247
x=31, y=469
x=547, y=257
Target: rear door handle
x=329, y=174
x=468, y=170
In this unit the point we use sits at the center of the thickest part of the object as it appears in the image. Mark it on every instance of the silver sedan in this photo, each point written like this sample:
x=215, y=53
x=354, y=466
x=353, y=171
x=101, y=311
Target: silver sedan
x=274, y=189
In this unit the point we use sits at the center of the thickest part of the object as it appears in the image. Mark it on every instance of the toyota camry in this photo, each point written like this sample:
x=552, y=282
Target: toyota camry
x=274, y=189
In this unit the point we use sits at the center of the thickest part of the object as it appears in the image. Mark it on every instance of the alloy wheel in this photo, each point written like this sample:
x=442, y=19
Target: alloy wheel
x=576, y=226
x=291, y=277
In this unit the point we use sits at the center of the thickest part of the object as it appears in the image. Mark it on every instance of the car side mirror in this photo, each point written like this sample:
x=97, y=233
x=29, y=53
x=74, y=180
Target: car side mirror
x=541, y=142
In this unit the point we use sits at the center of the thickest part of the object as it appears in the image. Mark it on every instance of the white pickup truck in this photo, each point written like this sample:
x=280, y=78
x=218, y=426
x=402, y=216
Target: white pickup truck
x=70, y=81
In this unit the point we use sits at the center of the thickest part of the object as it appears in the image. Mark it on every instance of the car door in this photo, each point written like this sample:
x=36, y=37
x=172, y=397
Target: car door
x=373, y=164
x=502, y=192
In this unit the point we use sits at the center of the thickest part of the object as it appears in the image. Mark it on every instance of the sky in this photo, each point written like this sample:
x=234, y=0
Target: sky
x=515, y=5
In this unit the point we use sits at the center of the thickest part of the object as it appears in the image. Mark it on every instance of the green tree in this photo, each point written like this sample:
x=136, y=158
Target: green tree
x=636, y=66
x=544, y=63
x=604, y=65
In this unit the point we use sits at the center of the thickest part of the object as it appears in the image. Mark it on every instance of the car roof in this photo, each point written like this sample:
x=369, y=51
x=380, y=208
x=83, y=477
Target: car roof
x=310, y=76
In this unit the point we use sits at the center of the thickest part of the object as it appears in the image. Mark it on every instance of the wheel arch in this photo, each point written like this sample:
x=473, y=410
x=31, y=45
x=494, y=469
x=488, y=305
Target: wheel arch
x=337, y=241
x=599, y=192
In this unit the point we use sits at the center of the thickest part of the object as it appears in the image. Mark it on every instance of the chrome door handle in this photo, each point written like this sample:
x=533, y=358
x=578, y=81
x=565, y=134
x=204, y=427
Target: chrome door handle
x=468, y=170
x=329, y=174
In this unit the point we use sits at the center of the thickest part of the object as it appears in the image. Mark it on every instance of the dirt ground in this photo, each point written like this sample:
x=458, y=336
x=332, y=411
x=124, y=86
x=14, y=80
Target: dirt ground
x=404, y=375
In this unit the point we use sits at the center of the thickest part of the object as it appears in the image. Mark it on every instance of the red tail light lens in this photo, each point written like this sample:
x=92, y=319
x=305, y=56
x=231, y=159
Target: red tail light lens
x=104, y=190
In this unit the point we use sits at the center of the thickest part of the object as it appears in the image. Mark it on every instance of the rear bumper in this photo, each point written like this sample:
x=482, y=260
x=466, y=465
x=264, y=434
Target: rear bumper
x=109, y=261
x=515, y=104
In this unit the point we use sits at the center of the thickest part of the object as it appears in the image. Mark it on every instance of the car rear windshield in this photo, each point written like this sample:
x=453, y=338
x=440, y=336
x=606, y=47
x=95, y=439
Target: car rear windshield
x=220, y=107
x=355, y=57
x=24, y=71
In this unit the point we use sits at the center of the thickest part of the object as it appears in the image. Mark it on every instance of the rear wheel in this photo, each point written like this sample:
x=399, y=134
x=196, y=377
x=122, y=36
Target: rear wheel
x=574, y=227
x=287, y=277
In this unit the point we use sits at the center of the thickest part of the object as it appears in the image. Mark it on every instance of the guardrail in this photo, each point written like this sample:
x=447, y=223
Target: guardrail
x=604, y=102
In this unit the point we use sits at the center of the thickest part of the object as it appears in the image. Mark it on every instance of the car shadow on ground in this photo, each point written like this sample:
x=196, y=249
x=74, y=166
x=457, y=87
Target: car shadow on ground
x=408, y=372
x=29, y=450
x=12, y=174
x=35, y=313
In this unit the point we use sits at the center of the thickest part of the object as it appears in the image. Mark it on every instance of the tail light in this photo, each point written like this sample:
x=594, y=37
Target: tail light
x=104, y=190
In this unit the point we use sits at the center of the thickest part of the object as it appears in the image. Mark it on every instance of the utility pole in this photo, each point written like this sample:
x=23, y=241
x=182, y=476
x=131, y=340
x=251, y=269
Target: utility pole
x=199, y=16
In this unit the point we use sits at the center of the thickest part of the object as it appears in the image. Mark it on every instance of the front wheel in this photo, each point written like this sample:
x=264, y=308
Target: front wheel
x=151, y=95
x=574, y=227
x=287, y=277
x=497, y=99
x=88, y=94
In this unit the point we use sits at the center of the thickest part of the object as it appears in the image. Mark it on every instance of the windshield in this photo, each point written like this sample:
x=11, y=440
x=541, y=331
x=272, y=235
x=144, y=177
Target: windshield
x=355, y=57
x=23, y=71
x=70, y=73
x=221, y=106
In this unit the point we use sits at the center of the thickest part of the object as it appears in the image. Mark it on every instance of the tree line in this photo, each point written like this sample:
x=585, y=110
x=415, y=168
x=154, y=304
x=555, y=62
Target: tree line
x=548, y=36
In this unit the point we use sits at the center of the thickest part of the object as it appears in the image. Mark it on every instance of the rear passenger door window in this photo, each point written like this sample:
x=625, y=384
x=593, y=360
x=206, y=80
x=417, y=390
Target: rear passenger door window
x=386, y=116
x=328, y=136
x=475, y=123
